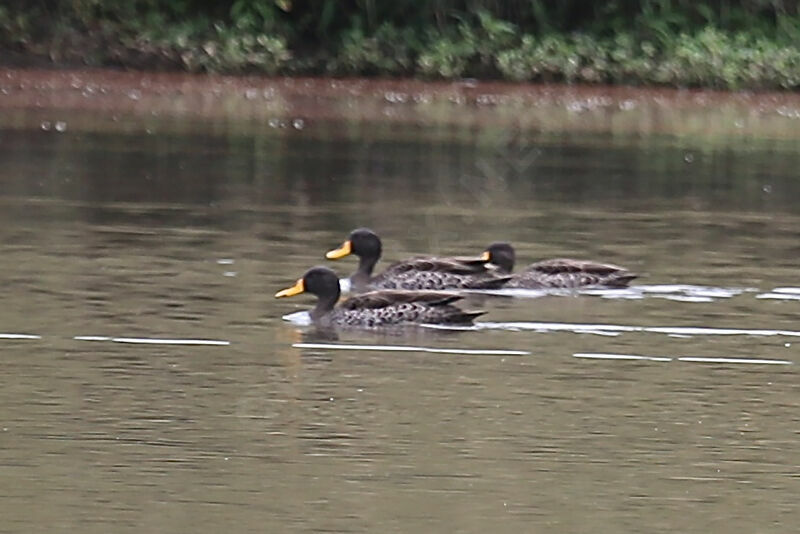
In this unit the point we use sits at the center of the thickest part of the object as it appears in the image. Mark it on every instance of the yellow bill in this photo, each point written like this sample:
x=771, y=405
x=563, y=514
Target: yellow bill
x=341, y=252
x=296, y=289
x=486, y=256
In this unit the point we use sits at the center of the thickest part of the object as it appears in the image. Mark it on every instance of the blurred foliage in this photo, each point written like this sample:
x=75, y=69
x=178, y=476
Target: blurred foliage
x=718, y=43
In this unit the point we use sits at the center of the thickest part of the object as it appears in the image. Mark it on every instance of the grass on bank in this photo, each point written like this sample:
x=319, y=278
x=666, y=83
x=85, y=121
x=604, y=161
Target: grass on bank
x=717, y=43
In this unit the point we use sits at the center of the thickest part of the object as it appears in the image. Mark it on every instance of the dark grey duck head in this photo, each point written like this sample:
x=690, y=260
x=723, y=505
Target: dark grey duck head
x=321, y=282
x=365, y=244
x=502, y=255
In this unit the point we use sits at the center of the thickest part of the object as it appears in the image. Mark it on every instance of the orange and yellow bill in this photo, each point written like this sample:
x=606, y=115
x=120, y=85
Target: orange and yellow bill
x=296, y=289
x=341, y=252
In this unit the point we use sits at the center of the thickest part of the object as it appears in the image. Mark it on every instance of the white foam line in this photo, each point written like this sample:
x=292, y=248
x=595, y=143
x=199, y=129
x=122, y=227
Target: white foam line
x=92, y=338
x=19, y=336
x=606, y=328
x=684, y=298
x=666, y=288
x=787, y=290
x=451, y=327
x=603, y=291
x=622, y=296
x=300, y=318
x=696, y=359
x=601, y=356
x=716, y=292
x=778, y=296
x=598, y=333
x=562, y=326
x=694, y=289
x=734, y=360
x=157, y=341
x=406, y=348
x=692, y=330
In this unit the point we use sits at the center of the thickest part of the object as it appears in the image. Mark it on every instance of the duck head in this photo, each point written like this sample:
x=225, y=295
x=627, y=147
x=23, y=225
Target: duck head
x=321, y=282
x=365, y=244
x=500, y=254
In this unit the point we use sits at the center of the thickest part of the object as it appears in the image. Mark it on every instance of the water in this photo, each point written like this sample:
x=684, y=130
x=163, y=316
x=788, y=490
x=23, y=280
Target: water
x=150, y=382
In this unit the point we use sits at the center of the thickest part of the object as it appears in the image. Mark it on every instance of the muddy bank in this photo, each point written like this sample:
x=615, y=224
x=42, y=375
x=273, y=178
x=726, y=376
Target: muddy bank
x=108, y=99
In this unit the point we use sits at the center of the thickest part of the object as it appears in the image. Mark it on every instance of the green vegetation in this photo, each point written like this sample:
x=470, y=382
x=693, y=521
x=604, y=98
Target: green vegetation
x=709, y=43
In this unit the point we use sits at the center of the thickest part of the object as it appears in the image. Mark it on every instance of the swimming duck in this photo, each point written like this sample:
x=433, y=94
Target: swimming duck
x=376, y=308
x=415, y=273
x=556, y=273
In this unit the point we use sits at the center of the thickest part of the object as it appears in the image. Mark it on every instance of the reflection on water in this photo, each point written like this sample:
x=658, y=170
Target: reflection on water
x=150, y=382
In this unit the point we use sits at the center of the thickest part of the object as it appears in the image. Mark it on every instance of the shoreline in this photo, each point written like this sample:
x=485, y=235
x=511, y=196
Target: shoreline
x=736, y=44
x=543, y=107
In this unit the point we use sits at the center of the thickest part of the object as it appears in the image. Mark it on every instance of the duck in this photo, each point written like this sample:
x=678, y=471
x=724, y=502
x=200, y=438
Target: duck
x=428, y=273
x=376, y=308
x=557, y=272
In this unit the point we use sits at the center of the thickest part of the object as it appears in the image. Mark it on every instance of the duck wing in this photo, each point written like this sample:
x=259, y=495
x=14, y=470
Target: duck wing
x=565, y=265
x=455, y=265
x=389, y=307
x=437, y=274
x=568, y=273
x=392, y=297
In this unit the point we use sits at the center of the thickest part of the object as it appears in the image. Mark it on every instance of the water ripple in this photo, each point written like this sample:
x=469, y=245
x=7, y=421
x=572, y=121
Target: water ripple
x=777, y=296
x=407, y=348
x=300, y=318
x=676, y=292
x=604, y=356
x=19, y=336
x=154, y=341
x=696, y=359
x=607, y=329
x=781, y=293
x=735, y=360
x=787, y=290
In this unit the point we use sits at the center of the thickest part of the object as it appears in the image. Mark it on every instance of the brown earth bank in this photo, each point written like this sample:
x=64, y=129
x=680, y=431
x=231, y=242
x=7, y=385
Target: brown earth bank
x=562, y=107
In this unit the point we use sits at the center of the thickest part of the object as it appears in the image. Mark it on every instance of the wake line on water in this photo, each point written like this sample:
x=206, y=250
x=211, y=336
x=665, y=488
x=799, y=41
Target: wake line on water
x=676, y=292
x=154, y=341
x=19, y=336
x=132, y=340
x=408, y=348
x=781, y=293
x=695, y=359
x=615, y=330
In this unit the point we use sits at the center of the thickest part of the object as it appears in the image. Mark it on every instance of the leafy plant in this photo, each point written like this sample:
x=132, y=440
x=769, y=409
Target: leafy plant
x=387, y=50
x=717, y=43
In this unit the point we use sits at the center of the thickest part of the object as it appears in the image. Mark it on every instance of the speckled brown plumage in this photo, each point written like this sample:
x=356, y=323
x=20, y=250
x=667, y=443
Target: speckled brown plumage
x=557, y=273
x=415, y=273
x=377, y=308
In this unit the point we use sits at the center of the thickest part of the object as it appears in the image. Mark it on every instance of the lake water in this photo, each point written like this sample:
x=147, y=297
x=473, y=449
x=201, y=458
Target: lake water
x=150, y=383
